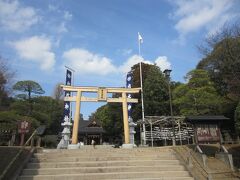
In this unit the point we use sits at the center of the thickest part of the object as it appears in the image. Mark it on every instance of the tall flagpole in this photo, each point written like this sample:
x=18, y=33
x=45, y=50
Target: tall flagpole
x=140, y=67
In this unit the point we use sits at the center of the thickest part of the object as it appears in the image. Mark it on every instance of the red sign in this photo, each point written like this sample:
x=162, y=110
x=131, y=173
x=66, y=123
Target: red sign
x=23, y=127
x=208, y=133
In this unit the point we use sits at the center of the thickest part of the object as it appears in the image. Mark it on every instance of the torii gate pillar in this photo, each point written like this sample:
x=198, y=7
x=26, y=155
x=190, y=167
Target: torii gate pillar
x=125, y=118
x=76, y=118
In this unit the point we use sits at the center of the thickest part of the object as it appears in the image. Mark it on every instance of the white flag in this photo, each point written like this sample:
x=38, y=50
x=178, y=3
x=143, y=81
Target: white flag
x=140, y=39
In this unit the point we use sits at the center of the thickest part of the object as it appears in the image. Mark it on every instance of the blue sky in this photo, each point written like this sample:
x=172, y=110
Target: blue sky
x=98, y=39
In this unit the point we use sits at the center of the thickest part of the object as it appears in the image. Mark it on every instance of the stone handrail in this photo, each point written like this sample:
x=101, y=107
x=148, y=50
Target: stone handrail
x=195, y=164
x=17, y=156
x=192, y=162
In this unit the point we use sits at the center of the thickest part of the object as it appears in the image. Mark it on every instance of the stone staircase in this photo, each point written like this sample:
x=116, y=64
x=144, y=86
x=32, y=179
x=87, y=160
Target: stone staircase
x=105, y=163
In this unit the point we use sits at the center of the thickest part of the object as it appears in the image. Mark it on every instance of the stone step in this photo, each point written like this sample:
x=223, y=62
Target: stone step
x=90, y=164
x=80, y=170
x=102, y=163
x=144, y=150
x=121, y=175
x=47, y=156
x=101, y=154
x=79, y=159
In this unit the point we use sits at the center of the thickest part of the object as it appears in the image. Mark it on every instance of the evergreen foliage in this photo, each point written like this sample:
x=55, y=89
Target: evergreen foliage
x=222, y=61
x=111, y=119
x=40, y=110
x=28, y=88
x=155, y=89
x=156, y=97
x=198, y=96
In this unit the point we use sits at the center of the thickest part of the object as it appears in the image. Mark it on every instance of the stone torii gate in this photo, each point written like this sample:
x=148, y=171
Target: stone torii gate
x=102, y=97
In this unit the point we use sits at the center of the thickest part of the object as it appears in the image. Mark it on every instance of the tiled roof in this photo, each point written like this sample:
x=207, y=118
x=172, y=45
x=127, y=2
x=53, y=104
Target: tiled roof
x=84, y=127
x=206, y=118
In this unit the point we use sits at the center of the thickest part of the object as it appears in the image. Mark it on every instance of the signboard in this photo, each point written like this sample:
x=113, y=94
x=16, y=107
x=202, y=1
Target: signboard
x=208, y=133
x=102, y=94
x=23, y=127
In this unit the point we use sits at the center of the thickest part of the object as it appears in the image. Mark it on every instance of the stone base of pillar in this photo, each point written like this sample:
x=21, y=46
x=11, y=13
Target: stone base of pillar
x=127, y=146
x=74, y=146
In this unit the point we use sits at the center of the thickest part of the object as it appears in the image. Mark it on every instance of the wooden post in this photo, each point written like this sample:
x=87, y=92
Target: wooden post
x=125, y=118
x=76, y=118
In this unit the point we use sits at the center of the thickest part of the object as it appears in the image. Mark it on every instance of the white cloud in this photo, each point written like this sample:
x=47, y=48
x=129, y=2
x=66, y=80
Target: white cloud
x=36, y=49
x=87, y=62
x=132, y=61
x=162, y=62
x=194, y=15
x=15, y=17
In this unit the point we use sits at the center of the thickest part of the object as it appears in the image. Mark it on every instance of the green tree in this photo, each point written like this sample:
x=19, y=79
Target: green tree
x=137, y=108
x=46, y=111
x=222, y=60
x=156, y=97
x=28, y=88
x=9, y=120
x=111, y=119
x=155, y=89
x=49, y=112
x=198, y=96
x=136, y=74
